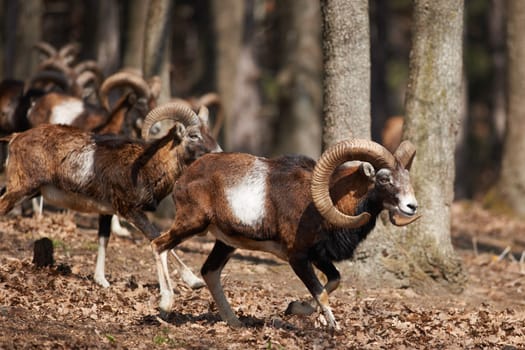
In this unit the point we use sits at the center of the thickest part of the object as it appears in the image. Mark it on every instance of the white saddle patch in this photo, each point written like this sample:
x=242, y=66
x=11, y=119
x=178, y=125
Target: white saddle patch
x=67, y=112
x=82, y=165
x=247, y=196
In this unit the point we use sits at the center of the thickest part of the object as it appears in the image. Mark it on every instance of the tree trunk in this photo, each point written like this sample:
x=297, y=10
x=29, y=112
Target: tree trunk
x=497, y=50
x=346, y=56
x=133, y=36
x=108, y=36
x=380, y=16
x=422, y=252
x=227, y=16
x=3, y=31
x=157, y=43
x=26, y=19
x=300, y=90
x=511, y=187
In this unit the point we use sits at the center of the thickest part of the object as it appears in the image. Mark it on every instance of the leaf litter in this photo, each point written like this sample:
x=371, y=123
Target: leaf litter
x=60, y=307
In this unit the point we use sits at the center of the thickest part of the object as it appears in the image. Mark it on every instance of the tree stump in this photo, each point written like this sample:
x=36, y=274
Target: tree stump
x=43, y=252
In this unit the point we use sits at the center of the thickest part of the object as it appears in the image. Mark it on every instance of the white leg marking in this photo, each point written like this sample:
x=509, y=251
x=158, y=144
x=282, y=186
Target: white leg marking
x=166, y=291
x=247, y=196
x=117, y=228
x=186, y=274
x=38, y=206
x=100, y=276
x=322, y=300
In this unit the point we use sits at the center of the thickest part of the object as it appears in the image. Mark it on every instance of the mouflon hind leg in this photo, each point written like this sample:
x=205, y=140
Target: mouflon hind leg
x=211, y=272
x=104, y=231
x=304, y=270
x=308, y=307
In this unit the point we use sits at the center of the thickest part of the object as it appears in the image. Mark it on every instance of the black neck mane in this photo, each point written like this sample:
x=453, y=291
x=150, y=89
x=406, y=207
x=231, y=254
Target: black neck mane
x=340, y=243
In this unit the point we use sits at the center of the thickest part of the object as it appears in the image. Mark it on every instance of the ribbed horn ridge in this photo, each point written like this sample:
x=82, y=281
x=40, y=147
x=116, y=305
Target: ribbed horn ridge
x=209, y=99
x=87, y=77
x=204, y=113
x=69, y=52
x=348, y=150
x=57, y=65
x=50, y=76
x=136, y=82
x=45, y=48
x=88, y=66
x=405, y=153
x=174, y=111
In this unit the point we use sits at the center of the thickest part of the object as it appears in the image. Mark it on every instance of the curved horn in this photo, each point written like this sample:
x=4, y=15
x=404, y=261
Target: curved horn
x=87, y=77
x=51, y=76
x=204, y=114
x=175, y=111
x=69, y=52
x=356, y=149
x=88, y=65
x=56, y=65
x=45, y=48
x=405, y=153
x=214, y=99
x=137, y=83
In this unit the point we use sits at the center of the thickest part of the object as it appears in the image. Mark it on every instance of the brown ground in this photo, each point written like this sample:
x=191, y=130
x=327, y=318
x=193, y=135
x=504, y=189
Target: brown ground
x=61, y=307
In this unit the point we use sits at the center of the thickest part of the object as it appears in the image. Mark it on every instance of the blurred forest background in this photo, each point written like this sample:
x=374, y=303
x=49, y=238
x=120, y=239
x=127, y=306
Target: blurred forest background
x=264, y=57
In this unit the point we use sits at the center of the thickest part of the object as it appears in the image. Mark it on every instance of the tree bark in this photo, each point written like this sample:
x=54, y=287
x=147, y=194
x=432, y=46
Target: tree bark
x=133, y=36
x=421, y=253
x=380, y=16
x=26, y=19
x=3, y=31
x=300, y=89
x=157, y=44
x=496, y=28
x=511, y=187
x=346, y=57
x=108, y=36
x=227, y=16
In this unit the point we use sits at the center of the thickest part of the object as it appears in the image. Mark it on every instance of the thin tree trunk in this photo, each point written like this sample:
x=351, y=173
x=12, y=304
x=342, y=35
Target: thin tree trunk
x=497, y=50
x=346, y=56
x=26, y=17
x=3, y=31
x=108, y=36
x=421, y=253
x=379, y=42
x=300, y=89
x=227, y=18
x=157, y=43
x=511, y=187
x=135, y=26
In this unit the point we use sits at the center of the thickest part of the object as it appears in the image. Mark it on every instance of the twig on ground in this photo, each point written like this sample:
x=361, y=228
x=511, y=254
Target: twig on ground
x=522, y=260
x=475, y=245
x=502, y=255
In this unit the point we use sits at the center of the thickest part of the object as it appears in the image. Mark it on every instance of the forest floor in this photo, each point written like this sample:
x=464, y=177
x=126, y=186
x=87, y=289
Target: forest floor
x=60, y=307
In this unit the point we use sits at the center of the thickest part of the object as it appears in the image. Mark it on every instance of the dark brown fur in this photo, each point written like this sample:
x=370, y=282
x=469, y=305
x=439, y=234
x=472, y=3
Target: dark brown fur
x=291, y=228
x=52, y=155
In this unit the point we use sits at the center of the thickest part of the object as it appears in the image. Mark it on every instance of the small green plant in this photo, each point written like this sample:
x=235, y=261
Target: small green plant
x=163, y=338
x=270, y=345
x=111, y=338
x=58, y=244
x=91, y=246
x=160, y=339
